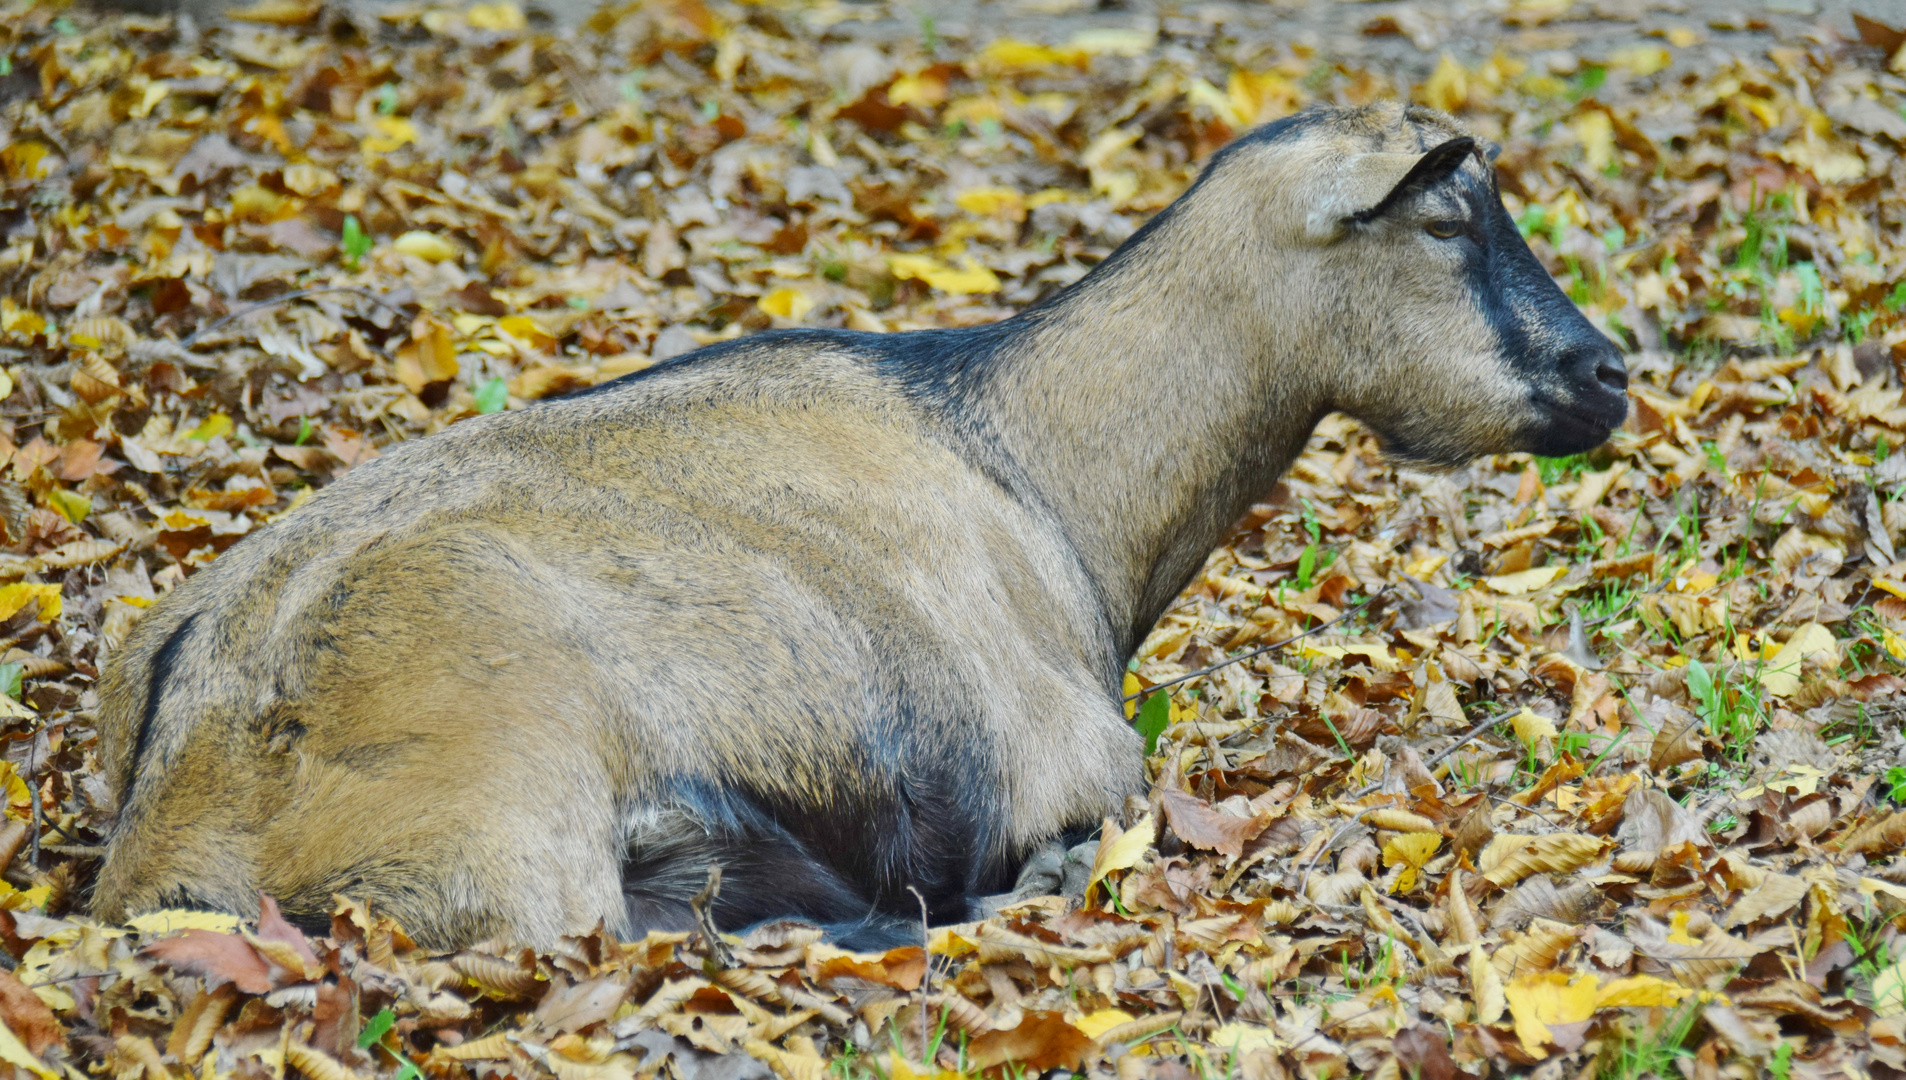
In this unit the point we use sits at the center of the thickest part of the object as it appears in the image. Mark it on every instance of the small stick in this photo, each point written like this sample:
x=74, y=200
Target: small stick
x=1304, y=880
x=703, y=905
x=295, y=294
x=926, y=978
x=1261, y=650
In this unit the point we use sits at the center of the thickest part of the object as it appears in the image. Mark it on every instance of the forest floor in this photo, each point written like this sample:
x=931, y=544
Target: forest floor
x=1600, y=773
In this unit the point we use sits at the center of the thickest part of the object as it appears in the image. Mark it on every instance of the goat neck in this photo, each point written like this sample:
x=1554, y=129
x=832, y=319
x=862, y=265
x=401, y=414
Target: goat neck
x=1154, y=401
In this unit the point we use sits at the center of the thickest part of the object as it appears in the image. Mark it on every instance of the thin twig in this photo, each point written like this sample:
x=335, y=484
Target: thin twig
x=39, y=815
x=926, y=979
x=1481, y=727
x=72, y=978
x=1437, y=758
x=702, y=904
x=295, y=294
x=1262, y=649
x=1303, y=881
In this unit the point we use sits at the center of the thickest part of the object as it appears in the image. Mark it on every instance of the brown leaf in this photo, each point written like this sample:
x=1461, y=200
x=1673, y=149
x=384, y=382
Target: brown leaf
x=1775, y=895
x=429, y=356
x=1043, y=1040
x=1535, y=949
x=29, y=1018
x=1883, y=832
x=1510, y=858
x=1202, y=827
x=279, y=939
x=1681, y=738
x=900, y=968
x=1878, y=34
x=1652, y=821
x=479, y=300
x=576, y=1006
x=1475, y=830
x=216, y=958
x=1537, y=897
x=1424, y=1054
x=192, y=1035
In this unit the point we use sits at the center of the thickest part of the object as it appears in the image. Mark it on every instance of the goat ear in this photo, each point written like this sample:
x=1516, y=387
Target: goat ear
x=1370, y=185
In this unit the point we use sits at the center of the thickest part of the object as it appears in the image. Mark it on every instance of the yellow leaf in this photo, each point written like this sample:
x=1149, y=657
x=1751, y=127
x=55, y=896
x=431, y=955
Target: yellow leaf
x=919, y=89
x=1241, y=1039
x=1251, y=96
x=1201, y=93
x=1132, y=686
x=1678, y=930
x=427, y=246
x=1681, y=37
x=16, y=596
x=172, y=920
x=502, y=15
x=1640, y=992
x=949, y=941
x=277, y=12
x=392, y=132
x=1110, y=41
x=19, y=799
x=1123, y=851
x=1641, y=59
x=1485, y=986
x=1532, y=727
x=973, y=278
x=308, y=179
x=1095, y=1024
x=72, y=506
x=1525, y=581
x=1541, y=998
x=786, y=303
x=1890, y=586
x=1889, y=990
x=992, y=202
x=1011, y=54
x=1895, y=646
x=1781, y=677
x=253, y=202
x=899, y=1069
x=526, y=330
x=1448, y=86
x=15, y=1053
x=1410, y=851
x=211, y=428
x=29, y=160
x=26, y=899
x=1377, y=656
x=1596, y=132
x=15, y=319
x=429, y=356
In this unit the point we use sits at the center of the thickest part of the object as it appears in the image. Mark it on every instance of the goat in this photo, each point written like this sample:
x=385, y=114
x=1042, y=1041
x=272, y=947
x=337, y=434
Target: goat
x=844, y=613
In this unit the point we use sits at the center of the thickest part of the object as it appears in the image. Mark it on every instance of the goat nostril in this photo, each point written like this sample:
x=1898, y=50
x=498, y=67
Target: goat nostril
x=1613, y=374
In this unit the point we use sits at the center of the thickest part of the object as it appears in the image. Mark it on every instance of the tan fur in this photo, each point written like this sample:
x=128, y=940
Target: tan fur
x=461, y=682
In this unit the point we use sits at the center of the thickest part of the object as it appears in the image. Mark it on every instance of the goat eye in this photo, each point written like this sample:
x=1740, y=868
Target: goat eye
x=1445, y=230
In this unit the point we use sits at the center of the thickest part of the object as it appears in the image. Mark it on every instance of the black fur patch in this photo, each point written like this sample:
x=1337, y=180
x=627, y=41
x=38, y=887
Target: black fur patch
x=162, y=662
x=1430, y=170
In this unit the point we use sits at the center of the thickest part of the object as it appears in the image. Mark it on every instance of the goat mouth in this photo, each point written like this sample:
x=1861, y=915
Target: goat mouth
x=1576, y=427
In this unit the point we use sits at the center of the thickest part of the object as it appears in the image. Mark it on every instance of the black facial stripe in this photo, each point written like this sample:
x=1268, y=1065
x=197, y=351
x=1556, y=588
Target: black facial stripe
x=1531, y=317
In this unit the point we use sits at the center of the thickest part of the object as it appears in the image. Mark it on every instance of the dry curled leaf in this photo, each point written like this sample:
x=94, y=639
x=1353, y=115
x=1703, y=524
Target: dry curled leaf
x=1510, y=857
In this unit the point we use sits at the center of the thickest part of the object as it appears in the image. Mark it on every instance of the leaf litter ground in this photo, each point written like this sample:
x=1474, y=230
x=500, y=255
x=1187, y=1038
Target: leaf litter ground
x=1600, y=776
